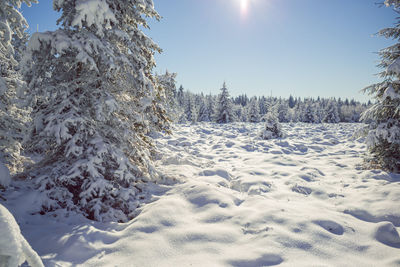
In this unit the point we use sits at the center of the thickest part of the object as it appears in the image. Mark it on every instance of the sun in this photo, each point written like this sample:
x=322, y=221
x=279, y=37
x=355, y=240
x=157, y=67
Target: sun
x=244, y=6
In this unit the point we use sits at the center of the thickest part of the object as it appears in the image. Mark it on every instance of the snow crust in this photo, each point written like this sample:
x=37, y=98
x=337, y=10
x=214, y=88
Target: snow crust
x=241, y=201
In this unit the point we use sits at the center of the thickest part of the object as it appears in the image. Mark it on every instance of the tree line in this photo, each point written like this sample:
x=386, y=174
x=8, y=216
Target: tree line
x=221, y=108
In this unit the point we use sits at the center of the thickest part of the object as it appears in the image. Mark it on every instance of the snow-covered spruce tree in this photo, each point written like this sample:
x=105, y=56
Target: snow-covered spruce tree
x=253, y=111
x=204, y=111
x=282, y=108
x=12, y=117
x=224, y=107
x=168, y=82
x=240, y=113
x=94, y=102
x=309, y=112
x=331, y=112
x=262, y=105
x=210, y=101
x=272, y=128
x=190, y=111
x=319, y=112
x=383, y=137
x=180, y=96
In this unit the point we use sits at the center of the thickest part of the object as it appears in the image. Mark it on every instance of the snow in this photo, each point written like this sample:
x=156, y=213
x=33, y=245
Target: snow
x=239, y=200
x=3, y=86
x=14, y=250
x=5, y=177
x=390, y=92
x=94, y=12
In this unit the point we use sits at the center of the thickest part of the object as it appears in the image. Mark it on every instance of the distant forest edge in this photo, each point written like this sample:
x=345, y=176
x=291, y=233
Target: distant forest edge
x=186, y=106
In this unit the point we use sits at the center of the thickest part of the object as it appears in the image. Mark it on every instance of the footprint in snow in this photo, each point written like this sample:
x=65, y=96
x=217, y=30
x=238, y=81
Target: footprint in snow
x=249, y=148
x=313, y=171
x=387, y=234
x=229, y=144
x=302, y=190
x=221, y=173
x=330, y=226
x=265, y=260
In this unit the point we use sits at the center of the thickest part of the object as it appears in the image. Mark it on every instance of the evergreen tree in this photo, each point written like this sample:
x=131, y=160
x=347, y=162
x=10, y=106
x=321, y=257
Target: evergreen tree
x=180, y=96
x=210, y=101
x=291, y=102
x=168, y=82
x=190, y=108
x=262, y=105
x=319, y=112
x=204, y=111
x=282, y=109
x=224, y=111
x=331, y=112
x=383, y=137
x=94, y=102
x=309, y=112
x=12, y=117
x=253, y=112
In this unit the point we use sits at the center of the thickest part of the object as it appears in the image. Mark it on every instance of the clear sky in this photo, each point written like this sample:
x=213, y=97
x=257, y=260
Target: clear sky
x=300, y=47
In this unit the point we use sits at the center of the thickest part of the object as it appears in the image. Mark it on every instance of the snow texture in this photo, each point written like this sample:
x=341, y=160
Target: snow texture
x=14, y=249
x=241, y=201
x=5, y=177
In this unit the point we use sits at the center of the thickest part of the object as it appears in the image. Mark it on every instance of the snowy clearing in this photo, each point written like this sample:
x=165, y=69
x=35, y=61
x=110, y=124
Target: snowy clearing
x=241, y=201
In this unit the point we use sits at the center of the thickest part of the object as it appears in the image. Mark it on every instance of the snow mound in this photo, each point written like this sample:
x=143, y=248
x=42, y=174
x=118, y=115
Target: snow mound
x=14, y=249
x=387, y=234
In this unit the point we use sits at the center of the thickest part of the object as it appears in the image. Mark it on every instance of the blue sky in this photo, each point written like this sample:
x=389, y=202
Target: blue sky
x=280, y=47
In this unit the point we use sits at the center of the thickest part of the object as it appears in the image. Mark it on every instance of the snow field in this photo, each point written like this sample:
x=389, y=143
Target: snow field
x=242, y=201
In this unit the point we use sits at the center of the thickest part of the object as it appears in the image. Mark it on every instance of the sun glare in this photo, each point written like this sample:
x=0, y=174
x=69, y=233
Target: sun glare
x=244, y=7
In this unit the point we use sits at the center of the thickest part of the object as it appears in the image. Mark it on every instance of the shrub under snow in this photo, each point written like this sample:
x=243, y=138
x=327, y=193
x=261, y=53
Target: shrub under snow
x=272, y=128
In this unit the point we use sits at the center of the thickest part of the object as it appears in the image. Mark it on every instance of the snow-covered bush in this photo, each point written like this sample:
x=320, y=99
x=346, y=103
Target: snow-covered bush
x=383, y=136
x=12, y=117
x=272, y=128
x=14, y=249
x=94, y=102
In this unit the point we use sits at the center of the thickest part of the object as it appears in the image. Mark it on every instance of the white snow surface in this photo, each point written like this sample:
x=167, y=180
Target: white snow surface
x=5, y=177
x=14, y=250
x=241, y=201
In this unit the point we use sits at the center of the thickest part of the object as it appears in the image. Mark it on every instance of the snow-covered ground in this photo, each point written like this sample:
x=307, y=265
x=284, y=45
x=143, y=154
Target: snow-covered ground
x=241, y=201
